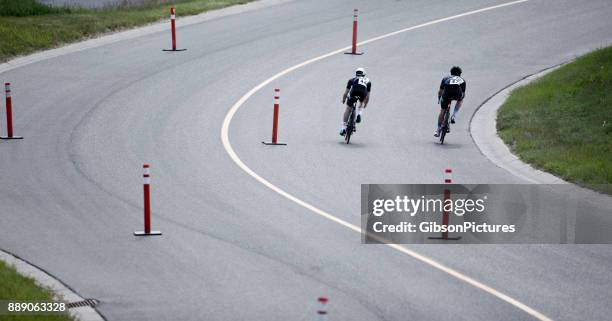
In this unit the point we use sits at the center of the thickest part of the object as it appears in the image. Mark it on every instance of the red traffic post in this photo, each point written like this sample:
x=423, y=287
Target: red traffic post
x=147, y=204
x=322, y=312
x=275, y=120
x=173, y=30
x=448, y=172
x=9, y=114
x=354, y=44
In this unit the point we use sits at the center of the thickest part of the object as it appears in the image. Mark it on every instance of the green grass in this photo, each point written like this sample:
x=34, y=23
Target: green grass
x=14, y=286
x=22, y=8
x=562, y=123
x=26, y=26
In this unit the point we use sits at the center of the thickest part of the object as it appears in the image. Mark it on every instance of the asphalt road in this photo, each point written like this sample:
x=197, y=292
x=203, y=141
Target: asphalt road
x=232, y=249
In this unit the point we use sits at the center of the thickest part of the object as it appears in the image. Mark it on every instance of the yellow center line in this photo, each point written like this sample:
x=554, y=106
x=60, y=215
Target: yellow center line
x=230, y=151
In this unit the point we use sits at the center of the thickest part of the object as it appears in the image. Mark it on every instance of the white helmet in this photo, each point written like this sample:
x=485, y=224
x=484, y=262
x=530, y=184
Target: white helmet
x=360, y=72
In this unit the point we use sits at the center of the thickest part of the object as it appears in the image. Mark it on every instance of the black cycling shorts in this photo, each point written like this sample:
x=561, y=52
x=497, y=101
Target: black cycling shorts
x=352, y=99
x=445, y=103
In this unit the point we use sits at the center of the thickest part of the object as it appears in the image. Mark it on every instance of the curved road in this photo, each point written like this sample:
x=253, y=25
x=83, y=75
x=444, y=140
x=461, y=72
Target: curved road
x=232, y=249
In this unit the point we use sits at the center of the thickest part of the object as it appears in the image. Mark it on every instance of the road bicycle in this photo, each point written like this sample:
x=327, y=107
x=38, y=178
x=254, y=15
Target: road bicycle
x=445, y=125
x=350, y=126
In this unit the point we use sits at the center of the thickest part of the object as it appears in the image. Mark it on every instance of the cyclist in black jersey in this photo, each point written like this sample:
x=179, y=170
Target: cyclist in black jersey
x=357, y=90
x=451, y=88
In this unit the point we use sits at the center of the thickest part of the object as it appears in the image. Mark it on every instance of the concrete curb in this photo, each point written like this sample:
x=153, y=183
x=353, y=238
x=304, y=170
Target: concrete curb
x=483, y=130
x=134, y=33
x=62, y=292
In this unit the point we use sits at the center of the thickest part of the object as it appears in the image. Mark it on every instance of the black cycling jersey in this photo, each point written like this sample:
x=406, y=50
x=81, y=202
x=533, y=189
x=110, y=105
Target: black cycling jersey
x=359, y=86
x=453, y=88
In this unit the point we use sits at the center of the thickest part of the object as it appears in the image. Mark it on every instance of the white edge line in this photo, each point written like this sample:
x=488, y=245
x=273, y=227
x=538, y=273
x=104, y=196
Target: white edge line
x=228, y=147
x=22, y=266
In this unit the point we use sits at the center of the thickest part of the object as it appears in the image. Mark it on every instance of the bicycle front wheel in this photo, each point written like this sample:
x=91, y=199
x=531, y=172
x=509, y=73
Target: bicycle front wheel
x=349, y=132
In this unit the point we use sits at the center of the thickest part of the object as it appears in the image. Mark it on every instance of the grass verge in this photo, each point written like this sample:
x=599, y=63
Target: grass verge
x=26, y=26
x=14, y=286
x=562, y=123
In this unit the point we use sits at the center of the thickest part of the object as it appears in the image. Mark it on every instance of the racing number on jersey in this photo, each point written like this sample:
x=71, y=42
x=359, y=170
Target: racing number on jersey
x=455, y=81
x=362, y=81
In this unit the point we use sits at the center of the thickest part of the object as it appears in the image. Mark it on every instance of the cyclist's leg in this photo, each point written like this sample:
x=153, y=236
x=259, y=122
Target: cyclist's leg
x=457, y=107
x=359, y=111
x=444, y=104
x=347, y=112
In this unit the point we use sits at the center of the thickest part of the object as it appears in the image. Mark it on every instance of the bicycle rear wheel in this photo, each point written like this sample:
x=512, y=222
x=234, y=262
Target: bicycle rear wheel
x=445, y=125
x=350, y=128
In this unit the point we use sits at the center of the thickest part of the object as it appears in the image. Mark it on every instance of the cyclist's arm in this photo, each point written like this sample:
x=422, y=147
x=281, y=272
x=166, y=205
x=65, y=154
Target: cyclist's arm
x=441, y=90
x=345, y=95
x=367, y=97
x=349, y=85
x=460, y=101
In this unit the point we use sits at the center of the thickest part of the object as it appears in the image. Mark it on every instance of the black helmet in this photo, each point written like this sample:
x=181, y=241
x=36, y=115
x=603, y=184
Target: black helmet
x=456, y=71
